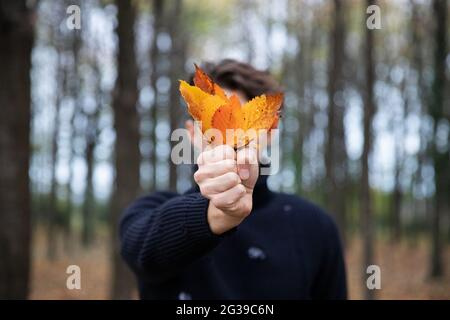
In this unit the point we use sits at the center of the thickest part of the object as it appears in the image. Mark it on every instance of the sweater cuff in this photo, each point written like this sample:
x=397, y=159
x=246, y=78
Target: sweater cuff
x=197, y=221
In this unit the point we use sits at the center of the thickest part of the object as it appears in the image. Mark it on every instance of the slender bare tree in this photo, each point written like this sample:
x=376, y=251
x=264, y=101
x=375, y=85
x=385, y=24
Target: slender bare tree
x=92, y=133
x=53, y=200
x=177, y=59
x=73, y=88
x=158, y=26
x=440, y=158
x=335, y=152
x=127, y=154
x=369, y=111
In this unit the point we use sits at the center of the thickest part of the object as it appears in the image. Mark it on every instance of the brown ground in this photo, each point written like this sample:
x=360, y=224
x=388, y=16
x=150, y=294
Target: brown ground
x=403, y=272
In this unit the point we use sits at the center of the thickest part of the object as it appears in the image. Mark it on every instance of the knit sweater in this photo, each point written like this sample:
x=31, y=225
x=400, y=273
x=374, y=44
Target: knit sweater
x=287, y=248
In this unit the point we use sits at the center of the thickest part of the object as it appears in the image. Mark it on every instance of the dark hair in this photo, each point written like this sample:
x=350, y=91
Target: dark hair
x=235, y=75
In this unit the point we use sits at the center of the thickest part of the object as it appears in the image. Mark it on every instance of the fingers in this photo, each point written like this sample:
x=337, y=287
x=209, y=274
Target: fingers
x=219, y=184
x=215, y=169
x=229, y=198
x=216, y=154
x=227, y=178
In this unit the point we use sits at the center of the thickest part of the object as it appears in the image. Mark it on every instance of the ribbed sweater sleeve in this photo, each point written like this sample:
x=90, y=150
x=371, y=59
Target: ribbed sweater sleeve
x=163, y=232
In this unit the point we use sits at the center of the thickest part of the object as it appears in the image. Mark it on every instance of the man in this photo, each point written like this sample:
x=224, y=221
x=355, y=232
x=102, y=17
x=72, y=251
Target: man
x=231, y=237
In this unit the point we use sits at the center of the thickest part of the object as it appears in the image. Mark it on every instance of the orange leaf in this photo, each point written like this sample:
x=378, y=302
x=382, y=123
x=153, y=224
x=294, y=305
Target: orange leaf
x=228, y=116
x=202, y=81
x=275, y=122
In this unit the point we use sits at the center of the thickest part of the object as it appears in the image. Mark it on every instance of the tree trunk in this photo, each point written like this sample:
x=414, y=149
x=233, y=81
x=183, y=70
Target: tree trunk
x=53, y=201
x=16, y=42
x=369, y=111
x=92, y=133
x=158, y=10
x=69, y=208
x=87, y=232
x=177, y=58
x=301, y=78
x=396, y=207
x=440, y=158
x=74, y=91
x=417, y=39
x=127, y=154
x=335, y=153
x=397, y=194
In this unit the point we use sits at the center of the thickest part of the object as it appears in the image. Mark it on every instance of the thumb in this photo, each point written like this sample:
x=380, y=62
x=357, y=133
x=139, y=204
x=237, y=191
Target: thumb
x=247, y=164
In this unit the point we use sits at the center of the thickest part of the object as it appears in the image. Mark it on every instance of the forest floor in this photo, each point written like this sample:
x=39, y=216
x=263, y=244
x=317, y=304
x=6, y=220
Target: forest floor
x=404, y=269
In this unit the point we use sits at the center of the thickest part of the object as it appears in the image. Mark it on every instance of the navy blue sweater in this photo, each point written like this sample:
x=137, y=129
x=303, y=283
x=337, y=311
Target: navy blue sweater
x=287, y=248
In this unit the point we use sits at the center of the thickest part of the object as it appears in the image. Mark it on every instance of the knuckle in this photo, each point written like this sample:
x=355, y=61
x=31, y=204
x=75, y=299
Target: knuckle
x=204, y=189
x=217, y=150
x=219, y=202
x=247, y=209
x=205, y=157
x=230, y=164
x=232, y=209
x=233, y=177
x=215, y=201
x=229, y=152
x=230, y=201
x=225, y=151
x=245, y=214
x=200, y=158
x=197, y=176
x=243, y=209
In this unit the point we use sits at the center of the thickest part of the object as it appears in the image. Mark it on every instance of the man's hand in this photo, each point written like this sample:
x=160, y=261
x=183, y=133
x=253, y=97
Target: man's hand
x=227, y=179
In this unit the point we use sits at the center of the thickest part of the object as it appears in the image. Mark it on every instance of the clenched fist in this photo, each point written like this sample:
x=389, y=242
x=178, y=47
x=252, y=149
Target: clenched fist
x=227, y=179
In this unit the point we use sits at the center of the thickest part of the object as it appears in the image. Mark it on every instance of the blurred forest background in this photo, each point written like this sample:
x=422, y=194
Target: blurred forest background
x=87, y=116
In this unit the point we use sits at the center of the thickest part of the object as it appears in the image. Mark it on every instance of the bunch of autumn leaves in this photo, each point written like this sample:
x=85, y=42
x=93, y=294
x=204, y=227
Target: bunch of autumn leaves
x=238, y=123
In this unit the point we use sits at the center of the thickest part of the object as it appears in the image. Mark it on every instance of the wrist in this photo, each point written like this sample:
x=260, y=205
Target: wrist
x=220, y=222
